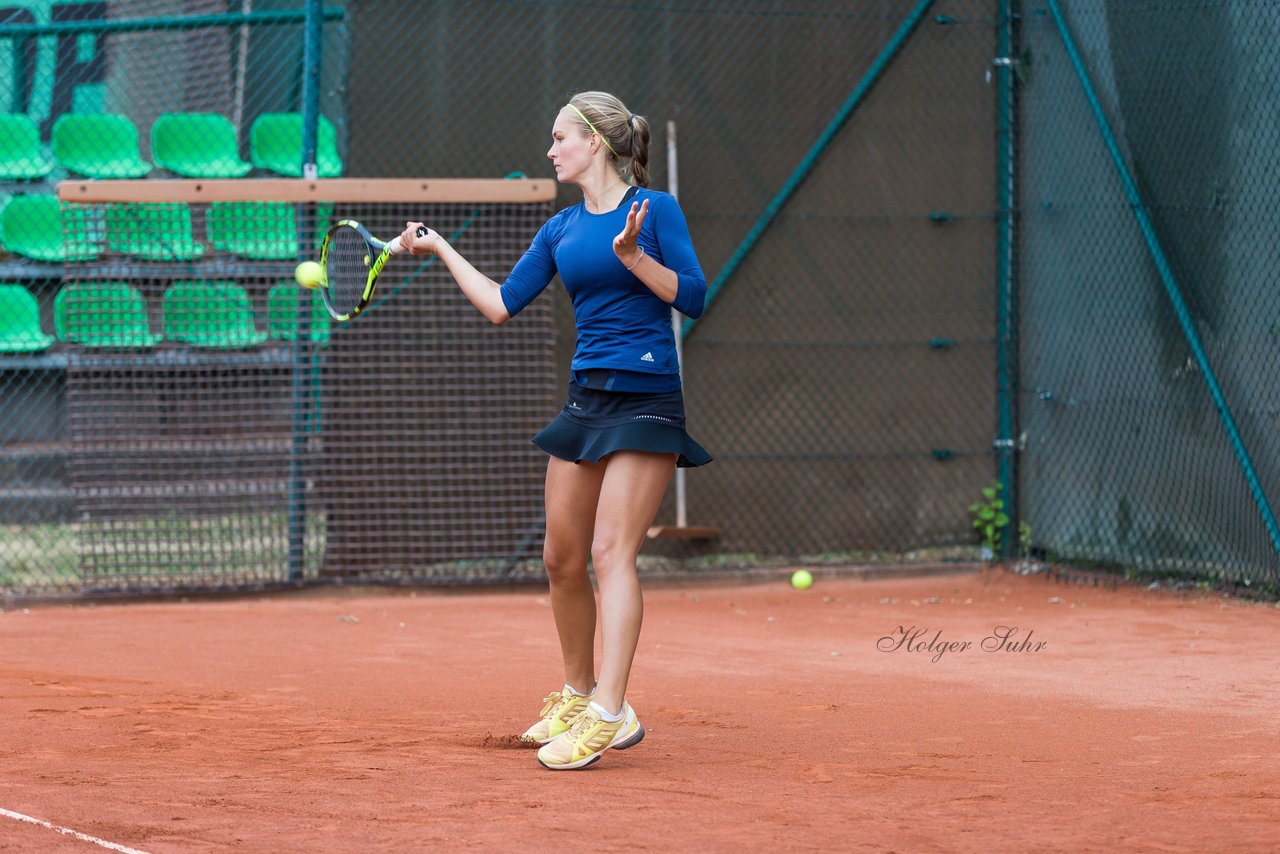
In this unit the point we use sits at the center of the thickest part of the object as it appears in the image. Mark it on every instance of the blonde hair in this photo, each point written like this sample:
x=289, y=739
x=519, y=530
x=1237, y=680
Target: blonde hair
x=624, y=134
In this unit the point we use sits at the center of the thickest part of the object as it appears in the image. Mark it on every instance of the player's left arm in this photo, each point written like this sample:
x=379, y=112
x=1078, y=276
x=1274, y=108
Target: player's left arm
x=682, y=284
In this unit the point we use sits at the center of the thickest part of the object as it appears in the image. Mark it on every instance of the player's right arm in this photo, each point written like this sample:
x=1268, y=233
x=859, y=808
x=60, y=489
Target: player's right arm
x=483, y=292
x=499, y=303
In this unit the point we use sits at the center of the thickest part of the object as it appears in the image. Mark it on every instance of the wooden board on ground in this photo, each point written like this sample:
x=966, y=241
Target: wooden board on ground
x=677, y=532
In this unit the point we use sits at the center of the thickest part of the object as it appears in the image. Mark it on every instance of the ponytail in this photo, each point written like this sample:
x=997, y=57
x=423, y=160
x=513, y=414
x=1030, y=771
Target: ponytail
x=639, y=167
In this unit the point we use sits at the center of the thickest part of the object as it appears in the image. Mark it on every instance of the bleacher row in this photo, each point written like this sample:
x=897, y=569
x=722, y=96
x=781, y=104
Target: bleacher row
x=41, y=228
x=189, y=145
x=113, y=313
x=215, y=315
x=36, y=226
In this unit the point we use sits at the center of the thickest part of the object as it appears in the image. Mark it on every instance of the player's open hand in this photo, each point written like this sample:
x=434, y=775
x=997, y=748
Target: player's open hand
x=625, y=244
x=419, y=244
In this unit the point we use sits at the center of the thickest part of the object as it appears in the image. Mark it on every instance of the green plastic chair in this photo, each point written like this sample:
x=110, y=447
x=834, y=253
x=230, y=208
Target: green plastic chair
x=20, y=330
x=102, y=314
x=282, y=314
x=214, y=315
x=159, y=231
x=41, y=228
x=22, y=157
x=197, y=145
x=98, y=146
x=275, y=144
x=260, y=230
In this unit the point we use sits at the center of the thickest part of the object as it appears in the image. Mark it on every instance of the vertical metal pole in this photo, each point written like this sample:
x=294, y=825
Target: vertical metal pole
x=1006, y=334
x=242, y=67
x=677, y=324
x=312, y=38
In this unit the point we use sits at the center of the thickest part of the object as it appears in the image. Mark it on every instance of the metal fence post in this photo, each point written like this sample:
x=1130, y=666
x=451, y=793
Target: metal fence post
x=312, y=49
x=1006, y=329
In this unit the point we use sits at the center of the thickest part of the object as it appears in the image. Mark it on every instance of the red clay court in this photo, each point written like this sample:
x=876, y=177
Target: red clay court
x=778, y=720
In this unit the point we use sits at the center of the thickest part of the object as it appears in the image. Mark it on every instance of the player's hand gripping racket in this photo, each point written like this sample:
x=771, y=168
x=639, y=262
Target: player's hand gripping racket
x=352, y=258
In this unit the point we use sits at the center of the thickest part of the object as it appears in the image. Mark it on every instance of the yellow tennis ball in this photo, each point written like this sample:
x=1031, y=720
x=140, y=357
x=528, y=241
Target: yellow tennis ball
x=801, y=579
x=309, y=274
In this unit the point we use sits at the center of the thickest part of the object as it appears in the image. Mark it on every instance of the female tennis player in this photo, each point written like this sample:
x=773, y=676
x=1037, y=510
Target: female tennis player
x=625, y=257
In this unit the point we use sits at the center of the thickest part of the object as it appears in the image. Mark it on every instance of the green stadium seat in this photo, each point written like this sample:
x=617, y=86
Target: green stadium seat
x=215, y=315
x=22, y=157
x=102, y=314
x=41, y=228
x=275, y=144
x=20, y=330
x=160, y=231
x=259, y=230
x=282, y=314
x=197, y=145
x=98, y=146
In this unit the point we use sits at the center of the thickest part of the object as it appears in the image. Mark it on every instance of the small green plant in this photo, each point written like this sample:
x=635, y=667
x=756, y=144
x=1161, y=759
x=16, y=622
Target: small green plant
x=989, y=518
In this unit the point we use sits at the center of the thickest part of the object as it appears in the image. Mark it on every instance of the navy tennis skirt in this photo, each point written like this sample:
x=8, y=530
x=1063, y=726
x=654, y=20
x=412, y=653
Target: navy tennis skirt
x=594, y=423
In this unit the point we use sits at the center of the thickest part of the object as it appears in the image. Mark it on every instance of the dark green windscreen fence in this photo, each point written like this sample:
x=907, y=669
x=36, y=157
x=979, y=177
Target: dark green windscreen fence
x=1149, y=339
x=953, y=245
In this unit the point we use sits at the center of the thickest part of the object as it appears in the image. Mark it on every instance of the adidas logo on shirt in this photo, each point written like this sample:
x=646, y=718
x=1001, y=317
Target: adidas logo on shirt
x=647, y=357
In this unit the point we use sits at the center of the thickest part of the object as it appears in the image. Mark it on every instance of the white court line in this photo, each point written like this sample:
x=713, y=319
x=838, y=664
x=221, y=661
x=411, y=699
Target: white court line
x=66, y=831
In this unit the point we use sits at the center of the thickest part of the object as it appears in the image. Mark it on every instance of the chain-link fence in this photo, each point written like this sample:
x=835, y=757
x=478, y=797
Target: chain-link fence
x=917, y=218
x=1149, y=340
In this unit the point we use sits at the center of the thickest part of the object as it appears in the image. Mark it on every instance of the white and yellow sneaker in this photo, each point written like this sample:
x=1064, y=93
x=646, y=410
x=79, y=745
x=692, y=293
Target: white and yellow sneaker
x=560, y=709
x=589, y=737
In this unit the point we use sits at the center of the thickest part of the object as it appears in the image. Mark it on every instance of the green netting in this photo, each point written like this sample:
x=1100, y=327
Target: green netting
x=947, y=247
x=1148, y=234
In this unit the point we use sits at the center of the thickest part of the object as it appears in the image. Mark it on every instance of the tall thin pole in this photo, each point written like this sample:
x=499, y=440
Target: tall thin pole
x=1006, y=331
x=677, y=323
x=311, y=50
x=242, y=67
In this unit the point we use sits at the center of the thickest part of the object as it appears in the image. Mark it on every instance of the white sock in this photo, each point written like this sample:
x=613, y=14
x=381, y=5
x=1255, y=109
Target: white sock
x=569, y=689
x=605, y=716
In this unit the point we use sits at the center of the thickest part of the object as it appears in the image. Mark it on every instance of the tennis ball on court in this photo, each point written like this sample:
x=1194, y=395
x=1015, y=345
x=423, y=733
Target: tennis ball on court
x=802, y=579
x=309, y=274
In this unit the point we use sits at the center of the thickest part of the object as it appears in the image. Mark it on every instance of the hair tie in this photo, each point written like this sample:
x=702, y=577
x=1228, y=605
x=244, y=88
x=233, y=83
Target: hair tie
x=603, y=138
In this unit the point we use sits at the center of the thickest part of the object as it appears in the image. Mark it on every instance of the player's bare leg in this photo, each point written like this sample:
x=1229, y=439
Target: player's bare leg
x=632, y=490
x=572, y=492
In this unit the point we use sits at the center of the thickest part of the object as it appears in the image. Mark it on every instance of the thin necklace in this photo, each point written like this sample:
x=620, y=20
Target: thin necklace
x=596, y=204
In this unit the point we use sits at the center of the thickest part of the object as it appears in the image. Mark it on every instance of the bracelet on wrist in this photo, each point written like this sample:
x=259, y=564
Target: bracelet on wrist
x=637, y=261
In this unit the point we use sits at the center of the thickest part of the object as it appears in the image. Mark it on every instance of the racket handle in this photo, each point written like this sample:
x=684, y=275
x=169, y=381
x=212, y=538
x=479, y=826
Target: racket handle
x=400, y=247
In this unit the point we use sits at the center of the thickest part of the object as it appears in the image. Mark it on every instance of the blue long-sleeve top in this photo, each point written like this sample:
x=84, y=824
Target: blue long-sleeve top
x=622, y=325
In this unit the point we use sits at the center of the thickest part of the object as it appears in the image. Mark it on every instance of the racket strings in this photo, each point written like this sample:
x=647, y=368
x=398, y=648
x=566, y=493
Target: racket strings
x=347, y=269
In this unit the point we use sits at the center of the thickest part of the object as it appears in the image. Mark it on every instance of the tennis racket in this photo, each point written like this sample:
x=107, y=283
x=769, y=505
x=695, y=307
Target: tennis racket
x=352, y=259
